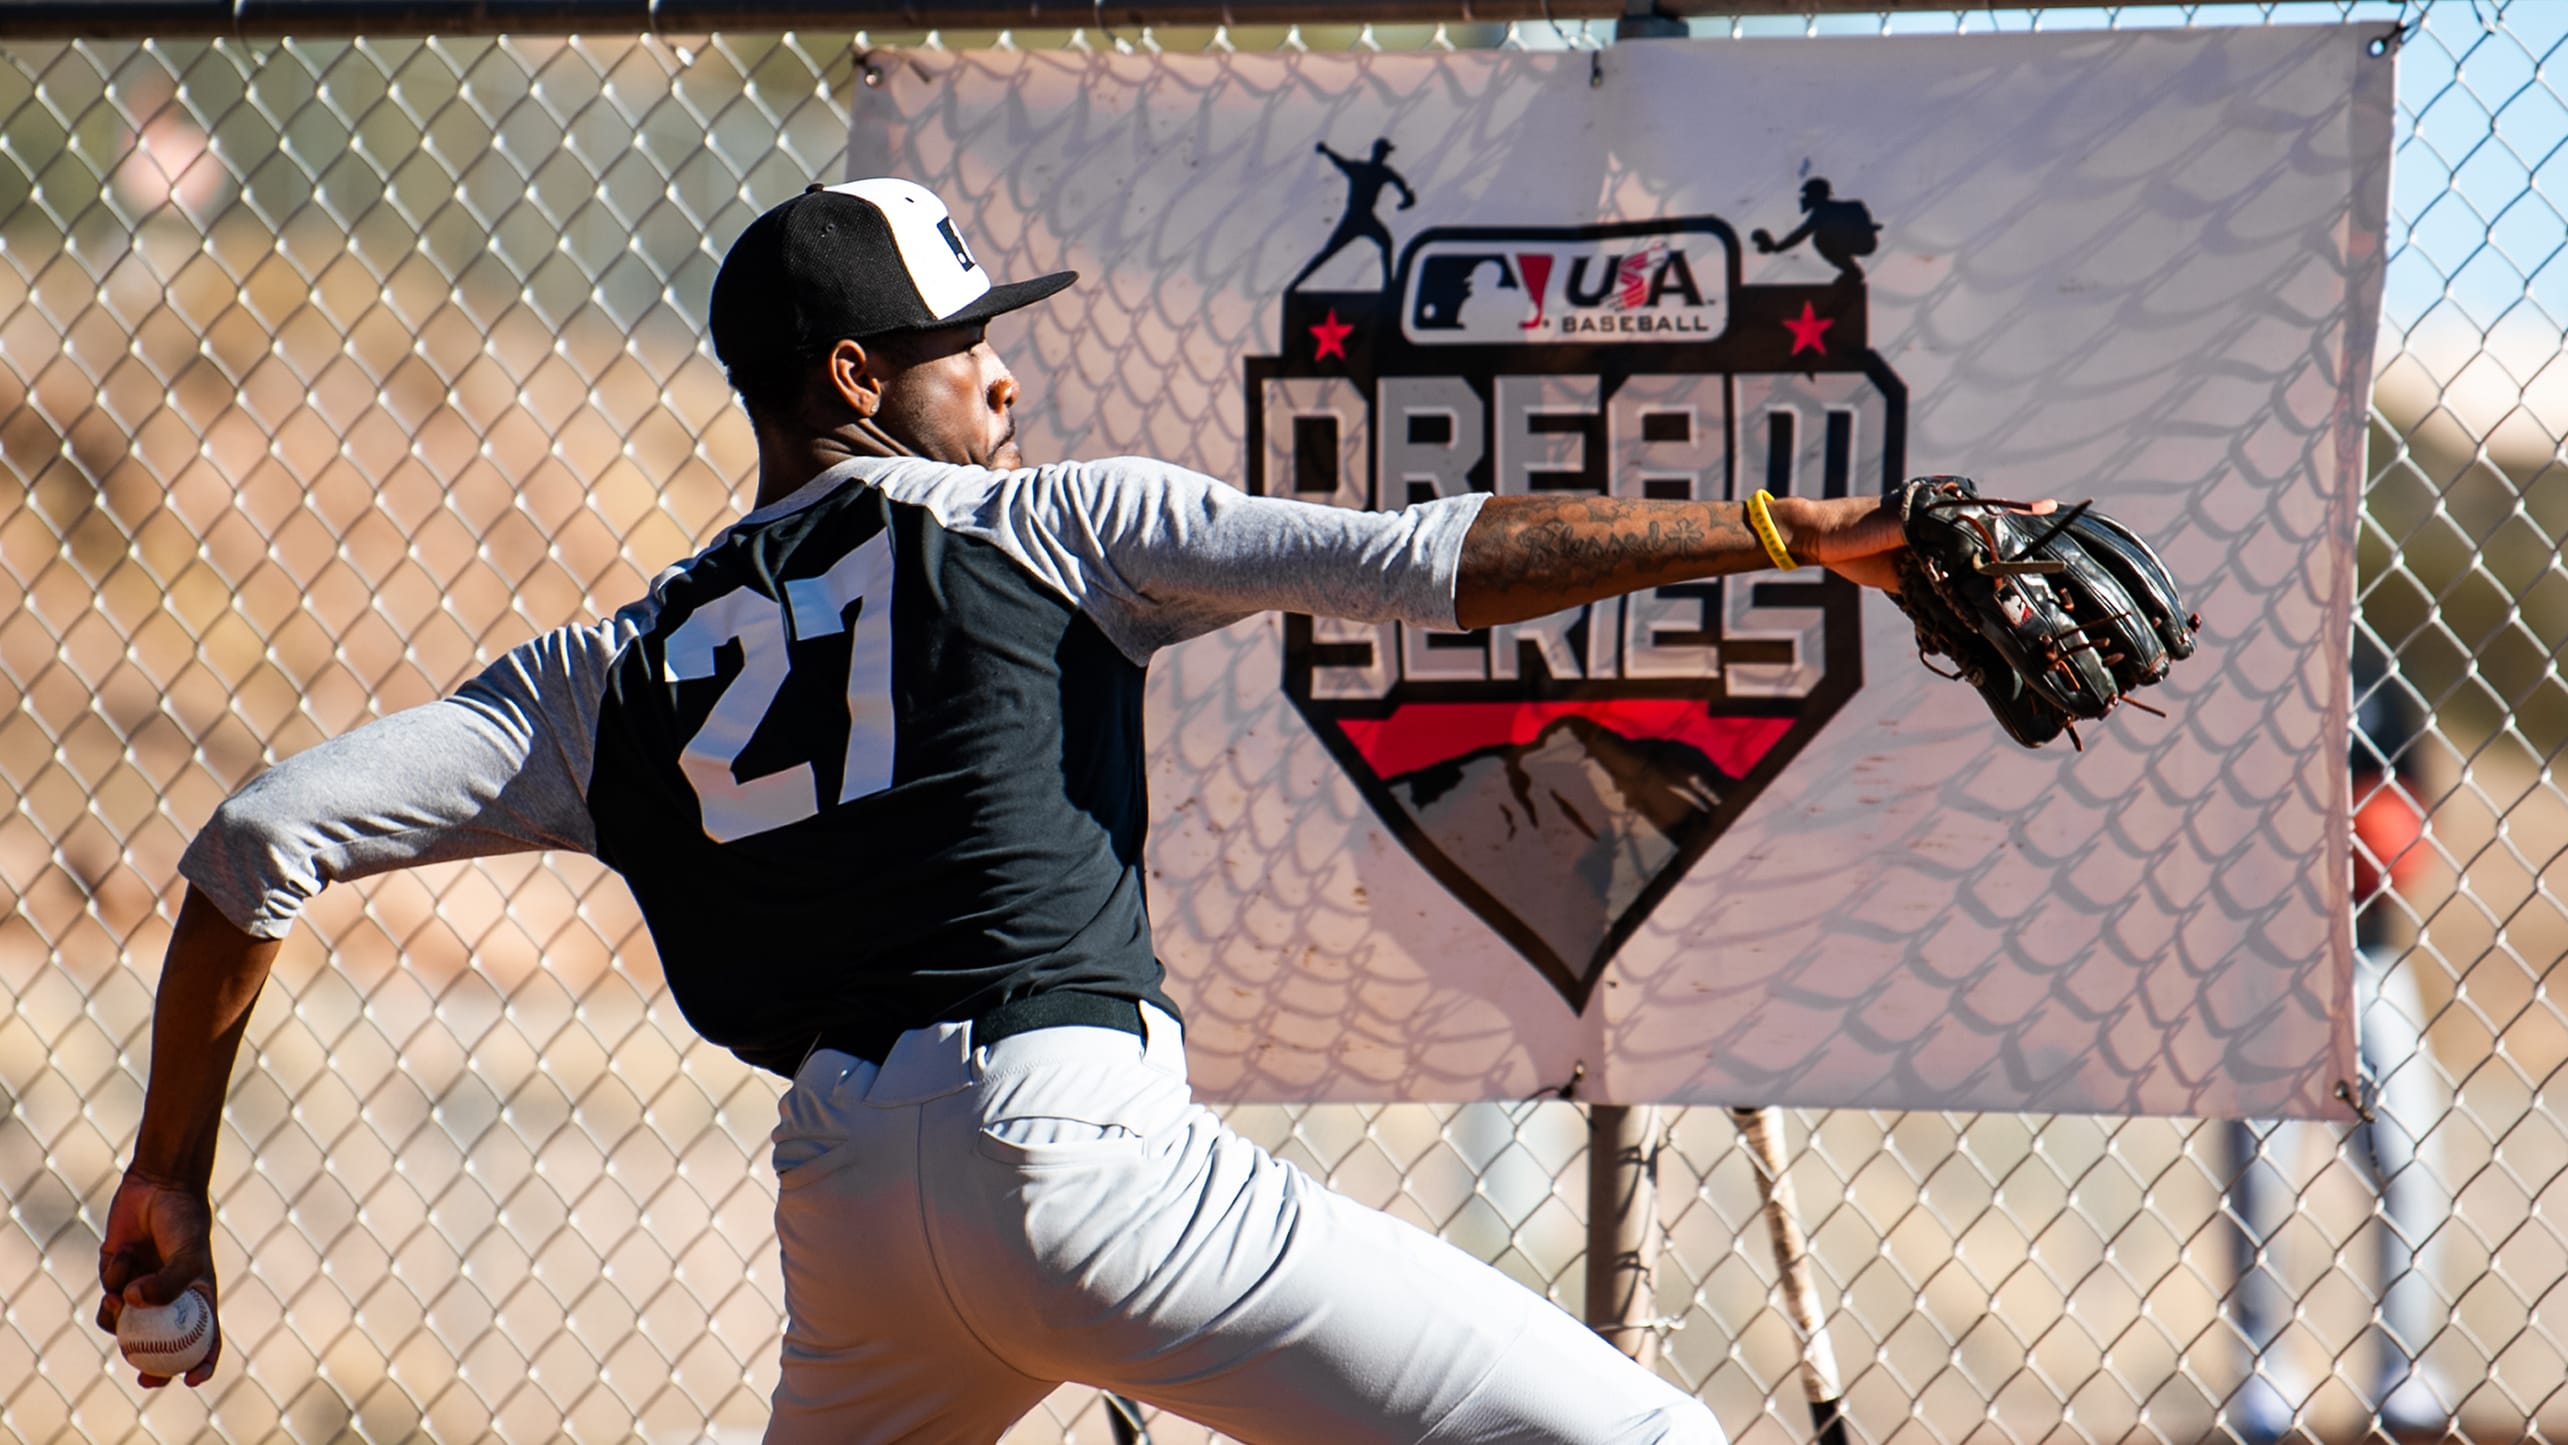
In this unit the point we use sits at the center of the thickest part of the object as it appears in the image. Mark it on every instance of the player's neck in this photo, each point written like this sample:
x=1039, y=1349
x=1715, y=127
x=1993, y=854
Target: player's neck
x=789, y=460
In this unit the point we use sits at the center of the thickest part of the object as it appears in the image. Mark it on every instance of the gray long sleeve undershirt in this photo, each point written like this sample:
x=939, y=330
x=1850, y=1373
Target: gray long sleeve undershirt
x=1153, y=553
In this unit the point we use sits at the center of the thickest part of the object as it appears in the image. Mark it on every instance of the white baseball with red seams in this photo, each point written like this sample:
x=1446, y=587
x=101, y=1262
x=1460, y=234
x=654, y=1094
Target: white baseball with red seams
x=166, y=1339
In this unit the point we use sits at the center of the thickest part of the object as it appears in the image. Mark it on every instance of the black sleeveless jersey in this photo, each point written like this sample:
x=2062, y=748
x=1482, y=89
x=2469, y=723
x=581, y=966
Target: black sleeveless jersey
x=944, y=802
x=871, y=761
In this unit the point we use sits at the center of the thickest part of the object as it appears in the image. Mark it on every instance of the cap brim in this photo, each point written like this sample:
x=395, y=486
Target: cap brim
x=1000, y=300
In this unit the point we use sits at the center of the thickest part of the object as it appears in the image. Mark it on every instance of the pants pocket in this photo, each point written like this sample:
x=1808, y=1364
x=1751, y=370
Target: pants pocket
x=797, y=1151
x=1046, y=1141
x=1076, y=1113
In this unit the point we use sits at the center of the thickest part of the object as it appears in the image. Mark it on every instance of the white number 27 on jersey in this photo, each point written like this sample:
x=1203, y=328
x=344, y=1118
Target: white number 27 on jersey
x=734, y=809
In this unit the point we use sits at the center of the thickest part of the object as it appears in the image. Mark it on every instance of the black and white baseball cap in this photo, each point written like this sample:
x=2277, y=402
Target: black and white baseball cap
x=860, y=259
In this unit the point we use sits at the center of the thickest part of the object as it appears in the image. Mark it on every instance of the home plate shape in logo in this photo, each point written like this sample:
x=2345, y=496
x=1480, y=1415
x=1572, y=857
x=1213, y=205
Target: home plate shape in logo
x=1559, y=776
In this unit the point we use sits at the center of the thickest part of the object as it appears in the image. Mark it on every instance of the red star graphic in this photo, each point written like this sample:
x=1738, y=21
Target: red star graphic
x=1809, y=330
x=1332, y=335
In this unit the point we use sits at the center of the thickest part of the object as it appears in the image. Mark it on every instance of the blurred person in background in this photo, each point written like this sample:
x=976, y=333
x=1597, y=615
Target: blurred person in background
x=2407, y=1095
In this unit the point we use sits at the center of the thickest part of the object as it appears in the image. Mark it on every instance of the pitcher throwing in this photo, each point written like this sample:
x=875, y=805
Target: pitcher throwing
x=872, y=764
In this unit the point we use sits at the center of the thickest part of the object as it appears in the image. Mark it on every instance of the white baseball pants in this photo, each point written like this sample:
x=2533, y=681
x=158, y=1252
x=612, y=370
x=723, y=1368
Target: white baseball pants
x=964, y=1229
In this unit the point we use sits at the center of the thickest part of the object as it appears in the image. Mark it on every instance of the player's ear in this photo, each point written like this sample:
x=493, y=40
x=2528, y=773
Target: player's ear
x=854, y=376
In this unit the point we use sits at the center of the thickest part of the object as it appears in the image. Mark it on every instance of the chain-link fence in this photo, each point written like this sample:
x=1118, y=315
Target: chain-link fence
x=330, y=370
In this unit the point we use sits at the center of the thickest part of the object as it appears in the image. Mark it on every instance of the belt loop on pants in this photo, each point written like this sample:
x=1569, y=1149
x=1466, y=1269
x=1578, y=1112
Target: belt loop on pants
x=1056, y=1009
x=925, y=1063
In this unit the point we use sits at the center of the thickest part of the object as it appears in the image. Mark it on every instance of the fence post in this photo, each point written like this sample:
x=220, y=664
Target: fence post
x=1622, y=1226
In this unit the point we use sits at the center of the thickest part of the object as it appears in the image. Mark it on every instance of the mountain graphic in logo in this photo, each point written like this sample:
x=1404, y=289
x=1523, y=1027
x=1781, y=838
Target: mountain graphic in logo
x=1560, y=775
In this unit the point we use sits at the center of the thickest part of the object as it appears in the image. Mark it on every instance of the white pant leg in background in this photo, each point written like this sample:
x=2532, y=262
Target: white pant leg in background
x=2396, y=1153
x=964, y=1228
x=2416, y=1197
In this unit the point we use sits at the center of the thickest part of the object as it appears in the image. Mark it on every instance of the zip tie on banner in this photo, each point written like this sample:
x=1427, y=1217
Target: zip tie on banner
x=1564, y=1091
x=2402, y=30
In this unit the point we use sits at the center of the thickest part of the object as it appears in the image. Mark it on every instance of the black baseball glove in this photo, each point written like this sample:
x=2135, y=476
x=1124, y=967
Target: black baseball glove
x=2054, y=618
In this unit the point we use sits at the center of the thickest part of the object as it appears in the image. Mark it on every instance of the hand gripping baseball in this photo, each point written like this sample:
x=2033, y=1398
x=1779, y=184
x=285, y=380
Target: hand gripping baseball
x=2055, y=617
x=159, y=1245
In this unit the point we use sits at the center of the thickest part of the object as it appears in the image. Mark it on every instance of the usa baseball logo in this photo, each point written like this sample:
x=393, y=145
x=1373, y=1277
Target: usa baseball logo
x=1560, y=776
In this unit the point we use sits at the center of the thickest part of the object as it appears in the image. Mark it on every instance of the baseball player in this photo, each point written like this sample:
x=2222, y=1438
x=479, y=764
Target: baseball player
x=2258, y=1156
x=872, y=764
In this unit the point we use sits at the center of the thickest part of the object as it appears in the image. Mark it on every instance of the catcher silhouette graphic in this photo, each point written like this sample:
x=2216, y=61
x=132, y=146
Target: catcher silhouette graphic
x=1838, y=230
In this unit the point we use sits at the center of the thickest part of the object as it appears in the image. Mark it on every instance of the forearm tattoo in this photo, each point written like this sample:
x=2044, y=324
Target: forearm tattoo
x=1526, y=556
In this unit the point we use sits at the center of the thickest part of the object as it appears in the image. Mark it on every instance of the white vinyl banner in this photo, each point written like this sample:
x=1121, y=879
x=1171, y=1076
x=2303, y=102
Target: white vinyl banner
x=1726, y=843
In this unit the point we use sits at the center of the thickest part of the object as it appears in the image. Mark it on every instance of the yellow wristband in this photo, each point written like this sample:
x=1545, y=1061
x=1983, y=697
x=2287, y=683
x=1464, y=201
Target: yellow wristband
x=1761, y=522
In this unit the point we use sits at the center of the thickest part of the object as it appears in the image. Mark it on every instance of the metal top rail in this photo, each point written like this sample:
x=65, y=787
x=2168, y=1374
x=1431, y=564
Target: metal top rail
x=76, y=19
